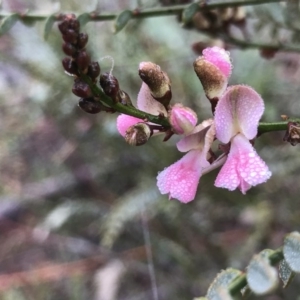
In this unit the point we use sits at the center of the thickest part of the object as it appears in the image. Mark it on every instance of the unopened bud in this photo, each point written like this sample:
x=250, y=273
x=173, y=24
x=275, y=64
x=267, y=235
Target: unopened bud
x=81, y=89
x=70, y=36
x=138, y=134
x=69, y=49
x=93, y=69
x=157, y=81
x=70, y=66
x=83, y=60
x=182, y=119
x=90, y=105
x=124, y=98
x=292, y=134
x=110, y=85
x=82, y=40
x=213, y=69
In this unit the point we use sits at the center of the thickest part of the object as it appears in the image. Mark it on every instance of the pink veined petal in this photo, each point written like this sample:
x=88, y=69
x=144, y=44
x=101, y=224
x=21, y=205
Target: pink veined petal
x=125, y=121
x=238, y=111
x=181, y=179
x=220, y=58
x=243, y=168
x=147, y=103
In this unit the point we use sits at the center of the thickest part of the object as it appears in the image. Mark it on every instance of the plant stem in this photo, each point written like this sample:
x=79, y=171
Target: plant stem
x=148, y=13
x=268, y=127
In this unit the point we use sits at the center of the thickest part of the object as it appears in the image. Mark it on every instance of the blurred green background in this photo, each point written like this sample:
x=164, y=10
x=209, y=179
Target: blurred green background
x=77, y=203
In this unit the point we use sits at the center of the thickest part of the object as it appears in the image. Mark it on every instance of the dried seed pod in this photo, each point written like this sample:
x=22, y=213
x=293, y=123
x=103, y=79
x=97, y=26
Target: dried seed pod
x=70, y=36
x=110, y=85
x=93, y=69
x=69, y=49
x=70, y=66
x=82, y=40
x=292, y=134
x=90, y=105
x=138, y=134
x=81, y=89
x=83, y=59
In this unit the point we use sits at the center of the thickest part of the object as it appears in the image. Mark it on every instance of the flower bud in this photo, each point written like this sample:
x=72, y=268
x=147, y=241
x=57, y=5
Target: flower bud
x=90, y=105
x=213, y=69
x=82, y=40
x=110, y=85
x=70, y=66
x=138, y=134
x=81, y=89
x=157, y=81
x=69, y=49
x=292, y=134
x=93, y=69
x=182, y=119
x=124, y=98
x=70, y=36
x=83, y=59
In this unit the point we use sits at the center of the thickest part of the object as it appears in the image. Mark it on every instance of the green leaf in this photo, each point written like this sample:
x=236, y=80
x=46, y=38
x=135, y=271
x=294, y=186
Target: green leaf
x=261, y=276
x=291, y=251
x=84, y=19
x=122, y=19
x=218, y=290
x=285, y=273
x=8, y=22
x=189, y=12
x=48, y=26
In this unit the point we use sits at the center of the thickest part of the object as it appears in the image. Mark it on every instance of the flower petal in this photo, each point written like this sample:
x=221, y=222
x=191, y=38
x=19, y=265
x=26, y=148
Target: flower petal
x=238, y=111
x=243, y=168
x=180, y=180
x=220, y=58
x=147, y=103
x=125, y=121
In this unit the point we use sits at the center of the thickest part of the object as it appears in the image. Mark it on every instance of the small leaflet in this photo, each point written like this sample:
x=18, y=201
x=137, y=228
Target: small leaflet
x=189, y=12
x=84, y=18
x=285, y=273
x=291, y=251
x=8, y=22
x=261, y=276
x=122, y=19
x=48, y=26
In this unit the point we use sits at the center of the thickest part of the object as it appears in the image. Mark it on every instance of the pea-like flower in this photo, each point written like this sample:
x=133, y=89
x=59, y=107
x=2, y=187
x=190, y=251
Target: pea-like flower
x=236, y=120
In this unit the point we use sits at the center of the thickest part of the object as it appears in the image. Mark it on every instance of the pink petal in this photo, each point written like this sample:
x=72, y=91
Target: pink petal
x=238, y=111
x=125, y=121
x=180, y=180
x=243, y=168
x=220, y=58
x=147, y=103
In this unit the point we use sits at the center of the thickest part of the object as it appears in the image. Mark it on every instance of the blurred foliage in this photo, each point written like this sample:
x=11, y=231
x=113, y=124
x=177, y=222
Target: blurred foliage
x=70, y=182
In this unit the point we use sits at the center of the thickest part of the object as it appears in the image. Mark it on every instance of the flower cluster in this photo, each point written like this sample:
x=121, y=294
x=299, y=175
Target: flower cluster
x=237, y=111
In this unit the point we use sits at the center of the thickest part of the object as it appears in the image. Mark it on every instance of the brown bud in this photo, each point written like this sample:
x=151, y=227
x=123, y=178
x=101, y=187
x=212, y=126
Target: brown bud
x=93, y=69
x=90, y=105
x=74, y=23
x=69, y=49
x=81, y=89
x=138, y=134
x=157, y=81
x=292, y=134
x=70, y=36
x=63, y=26
x=83, y=59
x=70, y=66
x=82, y=40
x=110, y=85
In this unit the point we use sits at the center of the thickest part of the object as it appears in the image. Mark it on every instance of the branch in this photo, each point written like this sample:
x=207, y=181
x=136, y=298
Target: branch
x=146, y=13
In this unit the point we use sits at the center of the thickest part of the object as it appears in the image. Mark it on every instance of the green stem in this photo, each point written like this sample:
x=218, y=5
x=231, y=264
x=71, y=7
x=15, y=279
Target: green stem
x=268, y=127
x=238, y=284
x=148, y=13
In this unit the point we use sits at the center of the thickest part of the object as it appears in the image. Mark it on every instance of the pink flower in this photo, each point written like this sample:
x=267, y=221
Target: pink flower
x=181, y=179
x=236, y=120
